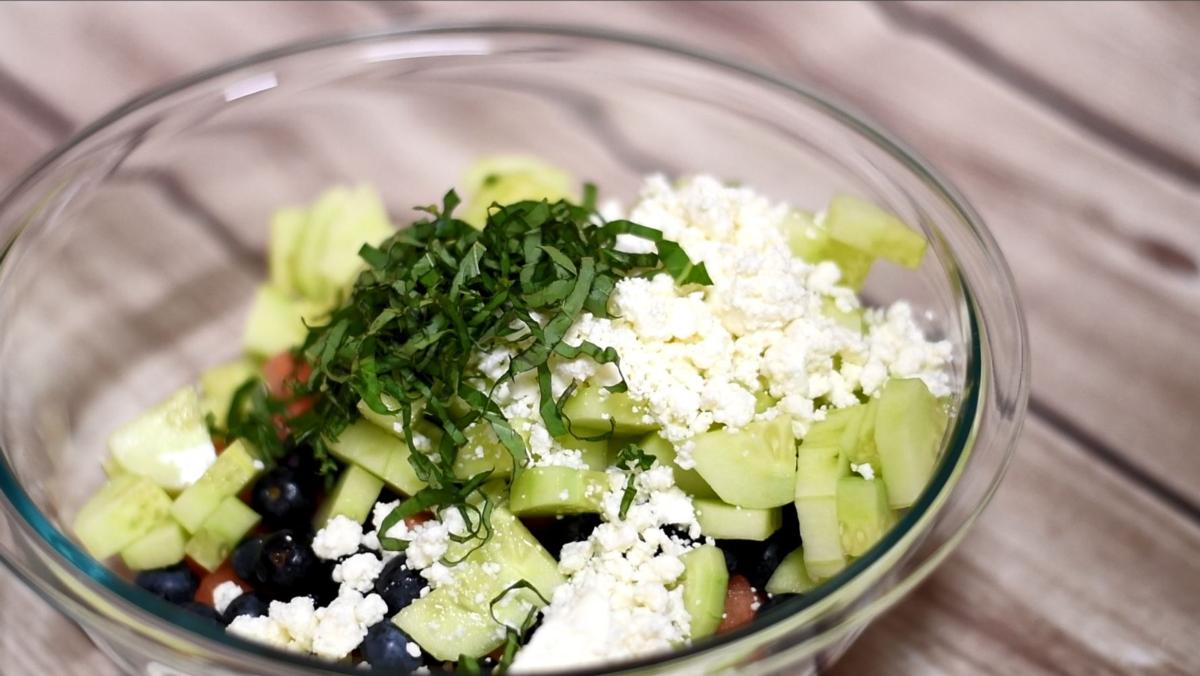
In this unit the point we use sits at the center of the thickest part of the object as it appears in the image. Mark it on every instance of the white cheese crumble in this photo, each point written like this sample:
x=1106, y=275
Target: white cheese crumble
x=332, y=632
x=358, y=572
x=340, y=537
x=623, y=597
x=224, y=594
x=864, y=470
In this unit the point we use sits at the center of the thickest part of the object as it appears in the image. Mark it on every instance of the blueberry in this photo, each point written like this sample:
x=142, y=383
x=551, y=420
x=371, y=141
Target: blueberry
x=245, y=557
x=246, y=604
x=283, y=498
x=386, y=647
x=204, y=611
x=176, y=584
x=287, y=566
x=757, y=561
x=398, y=585
x=554, y=533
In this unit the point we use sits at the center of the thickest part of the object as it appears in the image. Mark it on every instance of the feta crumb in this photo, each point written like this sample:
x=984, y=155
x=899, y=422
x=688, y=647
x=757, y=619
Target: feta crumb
x=413, y=649
x=224, y=594
x=358, y=572
x=864, y=470
x=340, y=537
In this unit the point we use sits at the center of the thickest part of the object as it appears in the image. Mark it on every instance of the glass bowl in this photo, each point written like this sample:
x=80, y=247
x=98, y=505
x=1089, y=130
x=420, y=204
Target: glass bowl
x=131, y=252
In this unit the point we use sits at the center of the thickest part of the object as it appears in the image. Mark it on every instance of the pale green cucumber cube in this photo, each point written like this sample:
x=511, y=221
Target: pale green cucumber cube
x=791, y=577
x=233, y=471
x=594, y=454
x=287, y=229
x=705, y=582
x=353, y=496
x=220, y=533
x=162, y=546
x=870, y=229
x=688, y=480
x=909, y=426
x=595, y=409
x=124, y=510
x=276, y=322
x=505, y=179
x=379, y=452
x=454, y=619
x=168, y=444
x=818, y=469
x=863, y=513
x=552, y=491
x=828, y=432
x=112, y=468
x=754, y=466
x=483, y=452
x=218, y=385
x=821, y=534
x=811, y=242
x=858, y=438
x=730, y=522
x=345, y=219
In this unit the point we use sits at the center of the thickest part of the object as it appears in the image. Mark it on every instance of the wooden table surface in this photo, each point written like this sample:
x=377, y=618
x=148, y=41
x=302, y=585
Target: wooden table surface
x=1076, y=132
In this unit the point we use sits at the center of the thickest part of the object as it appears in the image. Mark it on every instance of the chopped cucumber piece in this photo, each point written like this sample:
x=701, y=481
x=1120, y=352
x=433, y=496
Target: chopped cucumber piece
x=483, y=452
x=551, y=491
x=863, y=513
x=124, y=510
x=705, y=581
x=909, y=426
x=162, y=546
x=168, y=444
x=454, y=619
x=595, y=409
x=850, y=319
x=858, y=437
x=505, y=179
x=791, y=577
x=276, y=322
x=353, y=496
x=383, y=454
x=325, y=260
x=220, y=533
x=112, y=468
x=819, y=468
x=754, y=466
x=234, y=469
x=811, y=242
x=287, y=228
x=821, y=534
x=218, y=384
x=828, y=432
x=872, y=230
x=594, y=454
x=688, y=480
x=730, y=522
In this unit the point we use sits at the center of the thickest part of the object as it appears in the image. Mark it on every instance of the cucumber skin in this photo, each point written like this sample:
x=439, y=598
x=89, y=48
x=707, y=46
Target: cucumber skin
x=909, y=425
x=705, y=582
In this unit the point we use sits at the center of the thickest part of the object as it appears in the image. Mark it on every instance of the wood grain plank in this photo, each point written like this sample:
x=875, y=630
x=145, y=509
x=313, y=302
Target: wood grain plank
x=1144, y=99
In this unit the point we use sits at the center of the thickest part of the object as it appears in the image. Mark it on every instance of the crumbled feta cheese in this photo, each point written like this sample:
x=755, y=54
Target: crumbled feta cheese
x=864, y=470
x=413, y=649
x=224, y=594
x=623, y=596
x=340, y=537
x=358, y=572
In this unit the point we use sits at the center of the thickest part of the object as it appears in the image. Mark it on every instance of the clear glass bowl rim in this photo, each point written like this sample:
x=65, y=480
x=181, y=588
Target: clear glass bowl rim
x=955, y=453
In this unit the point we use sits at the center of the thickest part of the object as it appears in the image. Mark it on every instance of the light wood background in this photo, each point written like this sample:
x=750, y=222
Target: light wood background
x=1076, y=132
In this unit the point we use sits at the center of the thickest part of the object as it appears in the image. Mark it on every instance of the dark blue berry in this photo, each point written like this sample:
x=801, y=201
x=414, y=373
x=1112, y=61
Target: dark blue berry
x=386, y=647
x=398, y=585
x=204, y=611
x=245, y=558
x=176, y=584
x=287, y=566
x=246, y=604
x=757, y=561
x=556, y=532
x=283, y=498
